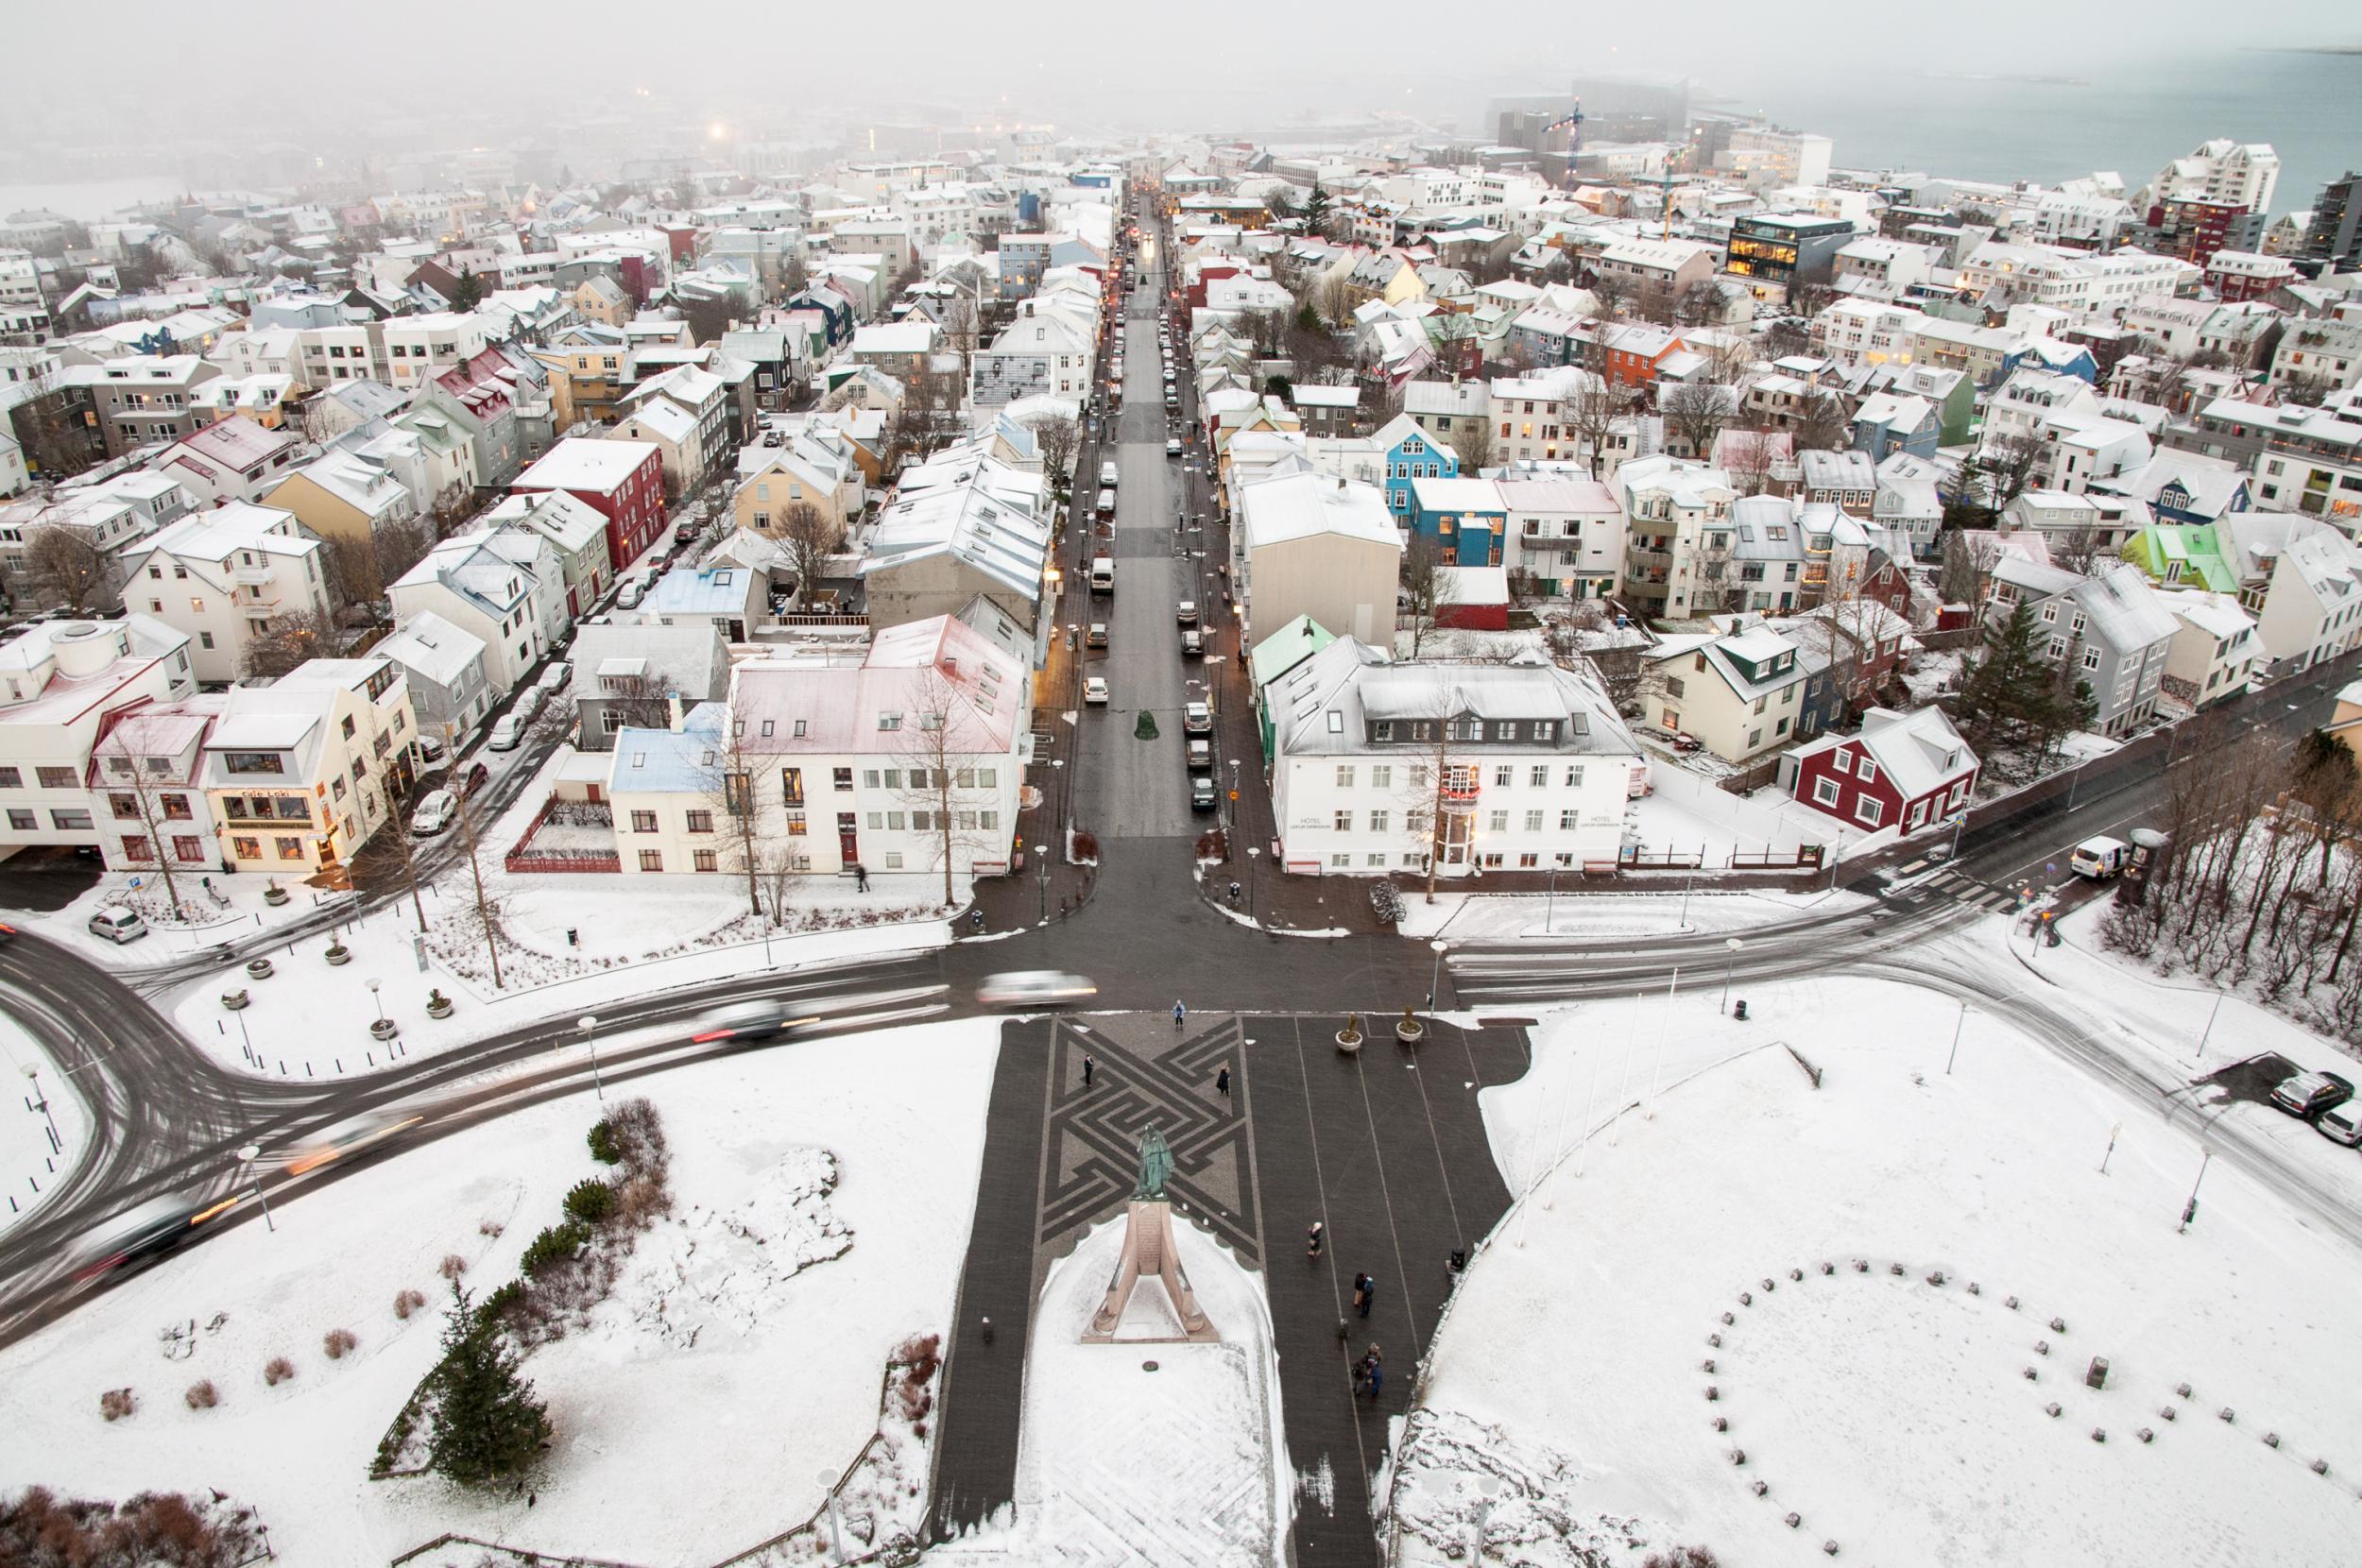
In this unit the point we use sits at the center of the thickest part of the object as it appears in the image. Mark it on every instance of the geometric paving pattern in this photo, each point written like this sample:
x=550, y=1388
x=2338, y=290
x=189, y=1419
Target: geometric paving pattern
x=1149, y=1074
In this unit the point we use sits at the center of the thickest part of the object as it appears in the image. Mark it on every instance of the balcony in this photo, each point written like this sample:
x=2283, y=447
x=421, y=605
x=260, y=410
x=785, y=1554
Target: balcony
x=251, y=577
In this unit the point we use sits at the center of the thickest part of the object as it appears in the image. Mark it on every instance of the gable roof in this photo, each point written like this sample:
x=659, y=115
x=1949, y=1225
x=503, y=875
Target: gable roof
x=1920, y=751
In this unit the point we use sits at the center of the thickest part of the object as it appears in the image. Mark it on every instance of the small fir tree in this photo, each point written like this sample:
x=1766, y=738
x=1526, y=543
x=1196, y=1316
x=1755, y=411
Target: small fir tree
x=488, y=1424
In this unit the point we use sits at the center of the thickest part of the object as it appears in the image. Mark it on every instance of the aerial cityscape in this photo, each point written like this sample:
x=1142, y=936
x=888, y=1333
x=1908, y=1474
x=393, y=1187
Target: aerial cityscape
x=1081, y=789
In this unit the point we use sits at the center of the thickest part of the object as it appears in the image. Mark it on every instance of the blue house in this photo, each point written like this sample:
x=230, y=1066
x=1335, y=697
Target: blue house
x=1466, y=516
x=1889, y=423
x=1411, y=453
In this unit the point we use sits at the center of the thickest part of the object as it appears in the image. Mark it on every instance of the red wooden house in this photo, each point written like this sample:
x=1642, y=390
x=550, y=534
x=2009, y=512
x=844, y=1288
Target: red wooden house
x=1903, y=770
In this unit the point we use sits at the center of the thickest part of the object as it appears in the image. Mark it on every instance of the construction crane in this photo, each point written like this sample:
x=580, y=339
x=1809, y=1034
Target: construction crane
x=1572, y=125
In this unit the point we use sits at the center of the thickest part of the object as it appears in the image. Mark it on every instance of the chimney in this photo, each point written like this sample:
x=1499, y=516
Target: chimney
x=674, y=715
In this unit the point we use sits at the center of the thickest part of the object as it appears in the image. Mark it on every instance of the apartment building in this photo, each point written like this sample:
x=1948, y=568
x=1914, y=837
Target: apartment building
x=220, y=577
x=302, y=772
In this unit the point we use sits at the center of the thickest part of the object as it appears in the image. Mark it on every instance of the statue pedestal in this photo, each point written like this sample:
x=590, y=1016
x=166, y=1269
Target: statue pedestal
x=1148, y=1250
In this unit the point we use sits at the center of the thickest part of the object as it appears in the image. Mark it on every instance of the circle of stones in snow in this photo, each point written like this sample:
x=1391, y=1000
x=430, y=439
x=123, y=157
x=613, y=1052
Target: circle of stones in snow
x=2042, y=1347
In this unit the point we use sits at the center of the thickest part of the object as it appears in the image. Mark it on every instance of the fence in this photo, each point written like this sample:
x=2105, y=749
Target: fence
x=1773, y=831
x=525, y=858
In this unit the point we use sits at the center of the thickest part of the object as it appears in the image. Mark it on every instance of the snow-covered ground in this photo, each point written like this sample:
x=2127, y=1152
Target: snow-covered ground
x=42, y=1120
x=1534, y=916
x=1889, y=1406
x=658, y=1443
x=1121, y=1463
x=216, y=907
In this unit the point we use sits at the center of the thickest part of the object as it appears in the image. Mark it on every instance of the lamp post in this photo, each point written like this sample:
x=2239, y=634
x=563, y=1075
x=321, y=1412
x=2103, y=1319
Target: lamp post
x=1254, y=853
x=1435, y=975
x=247, y=1156
x=1550, y=907
x=375, y=1001
x=1732, y=947
x=2211, y=1014
x=837, y=1530
x=41, y=1101
x=587, y=1023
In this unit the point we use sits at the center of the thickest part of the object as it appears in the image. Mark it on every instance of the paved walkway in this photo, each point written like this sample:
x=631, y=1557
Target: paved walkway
x=1387, y=1148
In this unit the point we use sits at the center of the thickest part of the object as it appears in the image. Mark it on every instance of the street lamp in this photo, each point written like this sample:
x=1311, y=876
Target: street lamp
x=247, y=1156
x=1435, y=974
x=374, y=1001
x=1254, y=853
x=587, y=1024
x=41, y=1100
x=1732, y=947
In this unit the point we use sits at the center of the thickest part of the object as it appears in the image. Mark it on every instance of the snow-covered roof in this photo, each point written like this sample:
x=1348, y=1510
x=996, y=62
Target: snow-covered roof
x=1300, y=505
x=876, y=706
x=433, y=648
x=586, y=462
x=1919, y=751
x=1357, y=683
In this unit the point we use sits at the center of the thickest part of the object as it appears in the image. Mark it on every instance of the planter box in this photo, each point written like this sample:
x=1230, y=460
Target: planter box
x=260, y=968
x=339, y=956
x=1349, y=1044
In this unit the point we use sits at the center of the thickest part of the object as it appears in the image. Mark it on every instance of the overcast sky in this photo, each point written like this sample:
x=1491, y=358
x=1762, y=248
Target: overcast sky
x=1057, y=52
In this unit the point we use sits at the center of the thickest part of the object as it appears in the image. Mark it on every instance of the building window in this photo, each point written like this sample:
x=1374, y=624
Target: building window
x=1496, y=822
x=1344, y=775
x=1382, y=778
x=701, y=822
x=705, y=859
x=55, y=779
x=1867, y=809
x=1534, y=822
x=1868, y=770
x=12, y=778
x=22, y=821
x=795, y=825
x=644, y=821
x=187, y=849
x=652, y=859
x=289, y=849
x=1539, y=775
x=1344, y=822
x=1824, y=792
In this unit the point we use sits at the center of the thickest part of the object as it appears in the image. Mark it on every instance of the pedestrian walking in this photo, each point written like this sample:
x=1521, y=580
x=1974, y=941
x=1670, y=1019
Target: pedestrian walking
x=1090, y=1064
x=1312, y=1240
x=861, y=878
x=1364, y=1292
x=1179, y=1013
x=1373, y=1373
x=1222, y=1082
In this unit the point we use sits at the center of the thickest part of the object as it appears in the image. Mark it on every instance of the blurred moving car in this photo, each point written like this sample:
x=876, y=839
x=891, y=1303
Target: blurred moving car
x=768, y=1018
x=139, y=1235
x=1027, y=989
x=351, y=1137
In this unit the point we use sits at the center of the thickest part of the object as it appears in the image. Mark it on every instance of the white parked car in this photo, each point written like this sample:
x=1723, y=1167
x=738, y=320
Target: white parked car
x=529, y=703
x=118, y=925
x=435, y=810
x=507, y=734
x=554, y=678
x=628, y=596
x=1095, y=690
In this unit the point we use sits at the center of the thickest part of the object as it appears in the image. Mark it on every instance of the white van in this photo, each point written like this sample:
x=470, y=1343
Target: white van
x=2100, y=858
x=1107, y=474
x=1103, y=574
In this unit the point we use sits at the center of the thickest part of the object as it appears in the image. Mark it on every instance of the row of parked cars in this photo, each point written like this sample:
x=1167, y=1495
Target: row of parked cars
x=2327, y=1100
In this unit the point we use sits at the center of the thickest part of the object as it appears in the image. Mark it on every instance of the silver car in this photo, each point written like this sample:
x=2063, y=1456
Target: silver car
x=1028, y=990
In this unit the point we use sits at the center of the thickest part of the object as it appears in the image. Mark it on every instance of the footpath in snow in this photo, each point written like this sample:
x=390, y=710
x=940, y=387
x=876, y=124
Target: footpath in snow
x=1876, y=1298
x=1601, y=916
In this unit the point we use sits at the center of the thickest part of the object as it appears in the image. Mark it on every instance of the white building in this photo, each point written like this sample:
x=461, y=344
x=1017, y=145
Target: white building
x=61, y=683
x=419, y=348
x=839, y=749
x=2216, y=651
x=220, y=577
x=1527, y=765
x=1677, y=533
x=1042, y=351
x=304, y=771
x=503, y=587
x=1568, y=532
x=444, y=666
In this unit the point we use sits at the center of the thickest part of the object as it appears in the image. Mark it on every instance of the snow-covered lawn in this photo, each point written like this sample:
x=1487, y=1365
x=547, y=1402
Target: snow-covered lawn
x=1118, y=1463
x=310, y=1020
x=666, y=1452
x=43, y=1122
x=1530, y=917
x=1888, y=1407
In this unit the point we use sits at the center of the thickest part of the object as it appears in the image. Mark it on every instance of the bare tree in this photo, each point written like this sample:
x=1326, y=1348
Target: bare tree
x=1965, y=568
x=67, y=566
x=1059, y=438
x=1436, y=789
x=1821, y=421
x=959, y=330
x=2011, y=463
x=57, y=442
x=808, y=536
x=1334, y=296
x=1472, y=443
x=1809, y=299
x=1591, y=416
x=360, y=569
x=1430, y=584
x=142, y=789
x=725, y=776
x=2073, y=549
x=1695, y=413
x=942, y=740
x=1747, y=457
x=285, y=641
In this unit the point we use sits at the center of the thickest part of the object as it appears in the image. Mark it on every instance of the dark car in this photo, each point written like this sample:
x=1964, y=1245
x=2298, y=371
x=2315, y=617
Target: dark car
x=157, y=1227
x=471, y=780
x=1192, y=644
x=1201, y=793
x=2308, y=1094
